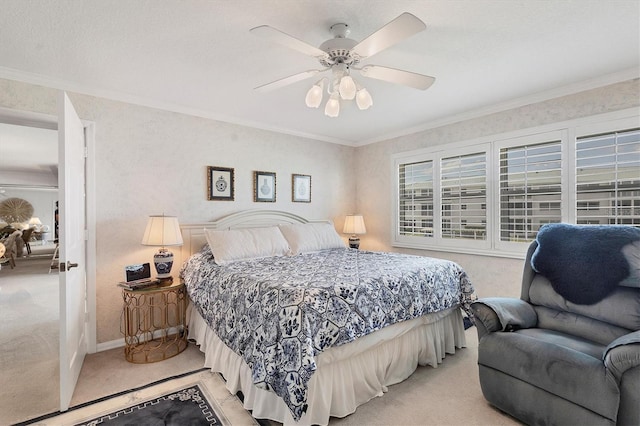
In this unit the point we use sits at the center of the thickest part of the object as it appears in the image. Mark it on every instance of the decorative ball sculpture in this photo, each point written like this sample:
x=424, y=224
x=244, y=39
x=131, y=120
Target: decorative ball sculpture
x=15, y=210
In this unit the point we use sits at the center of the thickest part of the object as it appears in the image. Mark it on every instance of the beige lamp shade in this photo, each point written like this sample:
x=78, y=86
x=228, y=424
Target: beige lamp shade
x=35, y=222
x=162, y=231
x=354, y=224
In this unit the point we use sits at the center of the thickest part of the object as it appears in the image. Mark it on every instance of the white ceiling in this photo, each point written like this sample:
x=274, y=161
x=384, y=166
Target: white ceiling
x=198, y=57
x=28, y=149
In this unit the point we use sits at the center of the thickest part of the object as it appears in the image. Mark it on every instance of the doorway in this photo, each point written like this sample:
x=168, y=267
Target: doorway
x=39, y=122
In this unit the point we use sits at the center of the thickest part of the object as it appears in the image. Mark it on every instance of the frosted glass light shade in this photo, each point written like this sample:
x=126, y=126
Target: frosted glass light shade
x=347, y=88
x=162, y=231
x=332, y=109
x=314, y=96
x=363, y=99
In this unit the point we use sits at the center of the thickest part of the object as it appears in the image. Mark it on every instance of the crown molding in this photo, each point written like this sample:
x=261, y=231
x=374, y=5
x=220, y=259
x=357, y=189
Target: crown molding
x=60, y=84
x=38, y=79
x=594, y=83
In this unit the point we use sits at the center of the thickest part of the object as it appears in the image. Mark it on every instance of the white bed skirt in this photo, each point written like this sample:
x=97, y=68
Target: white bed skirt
x=347, y=376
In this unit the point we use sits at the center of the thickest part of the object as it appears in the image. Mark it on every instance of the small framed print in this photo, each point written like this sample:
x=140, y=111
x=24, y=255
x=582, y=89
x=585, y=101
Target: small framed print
x=301, y=188
x=264, y=187
x=220, y=183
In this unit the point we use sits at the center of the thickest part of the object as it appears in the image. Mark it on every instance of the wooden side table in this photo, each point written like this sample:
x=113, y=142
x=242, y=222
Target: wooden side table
x=154, y=323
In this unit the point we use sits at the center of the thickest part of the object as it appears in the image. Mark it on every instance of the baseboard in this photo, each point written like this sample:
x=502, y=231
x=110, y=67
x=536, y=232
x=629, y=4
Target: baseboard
x=105, y=346
x=119, y=343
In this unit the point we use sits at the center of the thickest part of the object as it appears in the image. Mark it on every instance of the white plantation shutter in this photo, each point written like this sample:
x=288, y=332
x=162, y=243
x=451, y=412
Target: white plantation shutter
x=415, y=215
x=463, y=191
x=530, y=189
x=608, y=178
x=492, y=195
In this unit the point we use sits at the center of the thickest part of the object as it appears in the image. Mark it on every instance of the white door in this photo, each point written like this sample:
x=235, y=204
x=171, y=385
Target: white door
x=72, y=266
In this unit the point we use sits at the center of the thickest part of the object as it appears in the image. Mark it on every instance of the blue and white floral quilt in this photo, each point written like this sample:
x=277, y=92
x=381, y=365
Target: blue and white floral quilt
x=278, y=313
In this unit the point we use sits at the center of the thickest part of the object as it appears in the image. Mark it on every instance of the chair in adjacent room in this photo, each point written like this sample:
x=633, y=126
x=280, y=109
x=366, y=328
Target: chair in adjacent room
x=54, y=259
x=10, y=245
x=6, y=257
x=26, y=237
x=567, y=351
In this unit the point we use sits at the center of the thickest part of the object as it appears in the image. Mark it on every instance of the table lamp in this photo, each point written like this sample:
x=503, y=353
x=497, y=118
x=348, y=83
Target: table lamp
x=162, y=231
x=35, y=222
x=354, y=225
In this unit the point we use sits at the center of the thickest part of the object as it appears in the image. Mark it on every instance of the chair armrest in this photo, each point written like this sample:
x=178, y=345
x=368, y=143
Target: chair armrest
x=503, y=314
x=623, y=354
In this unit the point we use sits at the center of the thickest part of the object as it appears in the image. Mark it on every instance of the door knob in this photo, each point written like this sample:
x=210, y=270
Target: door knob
x=67, y=266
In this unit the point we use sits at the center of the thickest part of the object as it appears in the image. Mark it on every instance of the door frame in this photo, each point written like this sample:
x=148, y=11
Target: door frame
x=46, y=121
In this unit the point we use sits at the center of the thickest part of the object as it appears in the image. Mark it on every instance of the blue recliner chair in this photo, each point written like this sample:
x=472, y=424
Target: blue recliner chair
x=568, y=351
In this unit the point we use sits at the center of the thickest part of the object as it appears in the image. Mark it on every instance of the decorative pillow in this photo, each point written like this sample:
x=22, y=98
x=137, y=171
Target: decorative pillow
x=242, y=244
x=632, y=254
x=310, y=237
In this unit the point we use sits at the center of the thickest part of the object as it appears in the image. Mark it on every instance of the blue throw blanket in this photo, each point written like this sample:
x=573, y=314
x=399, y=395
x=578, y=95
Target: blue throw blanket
x=583, y=262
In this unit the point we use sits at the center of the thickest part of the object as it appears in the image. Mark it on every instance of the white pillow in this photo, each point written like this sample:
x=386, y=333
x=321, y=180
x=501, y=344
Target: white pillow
x=241, y=244
x=309, y=237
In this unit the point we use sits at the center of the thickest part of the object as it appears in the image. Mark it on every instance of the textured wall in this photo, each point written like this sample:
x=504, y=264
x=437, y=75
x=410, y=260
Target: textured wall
x=150, y=161
x=492, y=276
x=134, y=180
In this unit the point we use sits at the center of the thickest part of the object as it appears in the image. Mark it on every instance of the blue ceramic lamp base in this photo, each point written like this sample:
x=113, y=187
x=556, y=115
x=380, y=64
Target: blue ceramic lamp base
x=163, y=261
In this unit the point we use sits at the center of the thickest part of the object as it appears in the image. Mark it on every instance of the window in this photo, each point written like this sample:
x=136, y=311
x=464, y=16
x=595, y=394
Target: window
x=416, y=199
x=546, y=207
x=463, y=186
x=530, y=183
x=608, y=178
x=442, y=200
x=492, y=195
x=588, y=205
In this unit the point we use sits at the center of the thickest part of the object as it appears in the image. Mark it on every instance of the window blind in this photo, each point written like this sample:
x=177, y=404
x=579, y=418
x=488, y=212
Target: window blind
x=608, y=178
x=416, y=199
x=530, y=189
x=463, y=188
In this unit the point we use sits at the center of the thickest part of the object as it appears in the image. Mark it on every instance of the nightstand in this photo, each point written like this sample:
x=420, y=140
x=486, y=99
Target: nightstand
x=154, y=322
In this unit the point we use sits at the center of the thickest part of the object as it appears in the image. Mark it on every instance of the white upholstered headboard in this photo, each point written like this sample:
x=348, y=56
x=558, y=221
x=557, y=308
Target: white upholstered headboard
x=193, y=233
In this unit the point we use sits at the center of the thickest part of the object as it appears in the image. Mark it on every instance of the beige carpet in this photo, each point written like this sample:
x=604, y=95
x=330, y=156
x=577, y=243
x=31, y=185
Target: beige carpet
x=29, y=366
x=447, y=395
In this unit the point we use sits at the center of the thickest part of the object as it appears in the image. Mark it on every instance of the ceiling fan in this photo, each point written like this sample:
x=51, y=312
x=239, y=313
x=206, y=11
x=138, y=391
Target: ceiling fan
x=341, y=55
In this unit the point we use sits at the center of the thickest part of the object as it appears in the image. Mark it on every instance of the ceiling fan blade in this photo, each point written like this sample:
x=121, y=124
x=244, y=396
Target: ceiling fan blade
x=287, y=80
x=404, y=26
x=392, y=75
x=287, y=40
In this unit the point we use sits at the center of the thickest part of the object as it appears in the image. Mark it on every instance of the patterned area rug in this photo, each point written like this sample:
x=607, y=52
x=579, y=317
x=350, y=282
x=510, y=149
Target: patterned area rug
x=196, y=399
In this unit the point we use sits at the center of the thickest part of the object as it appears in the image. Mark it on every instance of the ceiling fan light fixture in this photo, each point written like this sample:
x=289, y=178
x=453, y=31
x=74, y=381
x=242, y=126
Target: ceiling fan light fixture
x=363, y=99
x=341, y=54
x=347, y=88
x=314, y=95
x=332, y=109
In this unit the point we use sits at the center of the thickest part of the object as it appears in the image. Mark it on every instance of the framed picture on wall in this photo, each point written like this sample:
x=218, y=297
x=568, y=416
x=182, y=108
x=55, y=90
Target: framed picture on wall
x=301, y=188
x=264, y=187
x=220, y=183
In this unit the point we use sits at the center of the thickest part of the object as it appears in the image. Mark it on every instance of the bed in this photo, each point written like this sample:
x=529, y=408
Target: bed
x=307, y=328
